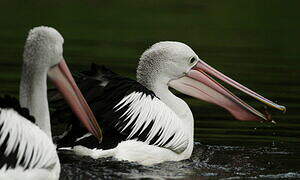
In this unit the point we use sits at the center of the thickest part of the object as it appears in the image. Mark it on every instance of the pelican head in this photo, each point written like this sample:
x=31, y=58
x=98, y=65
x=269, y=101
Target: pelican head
x=176, y=65
x=42, y=58
x=43, y=48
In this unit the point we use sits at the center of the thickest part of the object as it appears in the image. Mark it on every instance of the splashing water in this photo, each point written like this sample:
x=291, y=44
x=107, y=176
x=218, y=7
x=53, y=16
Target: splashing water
x=227, y=162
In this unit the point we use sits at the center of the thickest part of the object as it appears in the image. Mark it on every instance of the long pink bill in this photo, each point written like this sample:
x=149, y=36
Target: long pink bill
x=199, y=84
x=210, y=70
x=64, y=81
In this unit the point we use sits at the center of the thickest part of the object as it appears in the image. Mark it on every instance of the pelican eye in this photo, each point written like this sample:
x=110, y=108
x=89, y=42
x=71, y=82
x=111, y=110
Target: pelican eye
x=192, y=60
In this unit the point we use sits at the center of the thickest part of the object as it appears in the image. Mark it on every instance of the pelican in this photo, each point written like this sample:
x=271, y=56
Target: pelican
x=143, y=121
x=27, y=150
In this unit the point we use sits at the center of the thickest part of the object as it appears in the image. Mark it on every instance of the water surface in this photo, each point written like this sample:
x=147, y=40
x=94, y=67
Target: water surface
x=208, y=161
x=254, y=42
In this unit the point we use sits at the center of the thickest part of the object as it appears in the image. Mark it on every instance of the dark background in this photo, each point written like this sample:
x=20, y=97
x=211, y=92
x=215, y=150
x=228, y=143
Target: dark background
x=254, y=42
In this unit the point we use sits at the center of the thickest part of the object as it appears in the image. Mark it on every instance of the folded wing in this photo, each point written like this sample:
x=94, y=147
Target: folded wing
x=125, y=109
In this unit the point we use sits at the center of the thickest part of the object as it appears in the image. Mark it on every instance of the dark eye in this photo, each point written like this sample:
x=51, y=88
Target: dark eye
x=192, y=60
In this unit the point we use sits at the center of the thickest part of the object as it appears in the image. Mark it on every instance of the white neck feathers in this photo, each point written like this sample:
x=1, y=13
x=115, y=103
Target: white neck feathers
x=33, y=95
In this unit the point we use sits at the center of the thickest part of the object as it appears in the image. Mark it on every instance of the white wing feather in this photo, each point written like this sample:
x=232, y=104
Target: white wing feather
x=35, y=146
x=144, y=109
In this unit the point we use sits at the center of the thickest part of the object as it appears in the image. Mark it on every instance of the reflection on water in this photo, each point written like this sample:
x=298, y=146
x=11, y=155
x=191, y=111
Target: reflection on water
x=226, y=161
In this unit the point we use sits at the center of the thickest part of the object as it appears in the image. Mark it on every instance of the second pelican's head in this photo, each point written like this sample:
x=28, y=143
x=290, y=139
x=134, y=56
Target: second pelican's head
x=176, y=65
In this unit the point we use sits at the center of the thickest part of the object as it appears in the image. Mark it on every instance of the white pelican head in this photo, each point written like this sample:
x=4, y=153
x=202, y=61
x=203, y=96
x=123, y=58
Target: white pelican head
x=43, y=48
x=42, y=58
x=176, y=65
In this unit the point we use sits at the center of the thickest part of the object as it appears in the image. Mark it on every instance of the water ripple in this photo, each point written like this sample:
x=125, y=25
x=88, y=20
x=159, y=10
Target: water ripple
x=227, y=162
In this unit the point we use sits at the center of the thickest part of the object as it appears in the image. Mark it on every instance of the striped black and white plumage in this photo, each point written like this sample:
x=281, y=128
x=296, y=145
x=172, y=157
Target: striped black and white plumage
x=25, y=150
x=126, y=110
x=143, y=120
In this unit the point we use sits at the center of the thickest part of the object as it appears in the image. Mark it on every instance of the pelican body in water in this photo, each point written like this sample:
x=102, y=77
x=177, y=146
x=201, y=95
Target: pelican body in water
x=26, y=149
x=143, y=121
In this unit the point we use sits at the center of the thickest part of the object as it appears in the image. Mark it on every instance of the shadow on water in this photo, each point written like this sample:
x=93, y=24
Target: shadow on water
x=207, y=161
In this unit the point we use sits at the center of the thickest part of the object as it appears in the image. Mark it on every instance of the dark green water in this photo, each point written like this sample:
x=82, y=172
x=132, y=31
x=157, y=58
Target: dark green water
x=254, y=42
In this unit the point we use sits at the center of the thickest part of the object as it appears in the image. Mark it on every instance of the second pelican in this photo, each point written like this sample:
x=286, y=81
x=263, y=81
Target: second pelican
x=143, y=120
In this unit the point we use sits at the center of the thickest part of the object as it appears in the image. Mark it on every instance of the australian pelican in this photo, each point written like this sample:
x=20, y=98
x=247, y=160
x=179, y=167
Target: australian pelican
x=143, y=121
x=27, y=150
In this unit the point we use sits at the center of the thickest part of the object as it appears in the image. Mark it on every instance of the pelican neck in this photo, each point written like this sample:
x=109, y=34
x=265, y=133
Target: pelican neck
x=33, y=95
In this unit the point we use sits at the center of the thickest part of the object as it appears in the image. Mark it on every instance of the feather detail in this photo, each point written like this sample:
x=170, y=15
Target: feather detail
x=24, y=144
x=145, y=110
x=127, y=110
x=8, y=102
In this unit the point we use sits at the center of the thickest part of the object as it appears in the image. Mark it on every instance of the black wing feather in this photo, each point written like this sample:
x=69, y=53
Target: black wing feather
x=103, y=90
x=8, y=102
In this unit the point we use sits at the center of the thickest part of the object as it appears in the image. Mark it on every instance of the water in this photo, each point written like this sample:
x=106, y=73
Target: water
x=207, y=161
x=254, y=42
